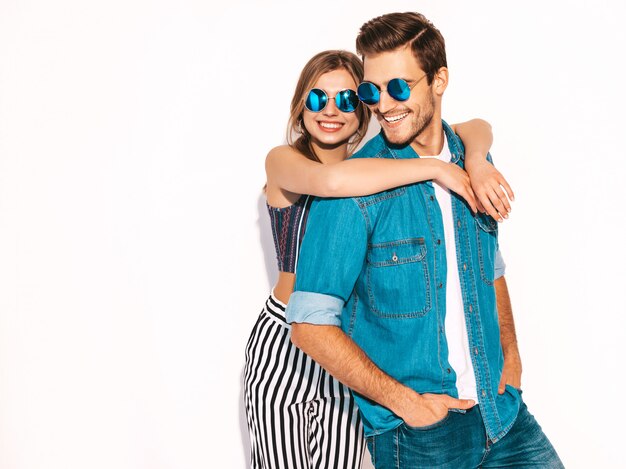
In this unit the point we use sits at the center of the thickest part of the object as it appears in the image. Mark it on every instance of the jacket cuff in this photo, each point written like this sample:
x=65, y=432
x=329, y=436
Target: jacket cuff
x=314, y=308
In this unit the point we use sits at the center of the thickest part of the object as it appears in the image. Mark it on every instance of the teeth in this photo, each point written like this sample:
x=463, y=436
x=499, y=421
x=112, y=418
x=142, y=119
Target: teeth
x=329, y=125
x=395, y=118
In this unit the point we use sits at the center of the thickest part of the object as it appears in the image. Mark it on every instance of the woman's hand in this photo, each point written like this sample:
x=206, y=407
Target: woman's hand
x=492, y=191
x=454, y=178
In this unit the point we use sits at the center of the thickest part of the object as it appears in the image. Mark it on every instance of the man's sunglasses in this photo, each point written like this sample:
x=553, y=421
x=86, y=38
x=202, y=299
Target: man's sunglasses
x=398, y=89
x=317, y=99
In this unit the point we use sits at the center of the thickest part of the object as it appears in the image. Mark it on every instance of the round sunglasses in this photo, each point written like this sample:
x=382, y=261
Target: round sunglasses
x=398, y=89
x=317, y=99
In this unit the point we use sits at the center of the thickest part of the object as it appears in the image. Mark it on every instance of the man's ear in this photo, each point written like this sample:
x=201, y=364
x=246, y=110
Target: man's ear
x=440, y=81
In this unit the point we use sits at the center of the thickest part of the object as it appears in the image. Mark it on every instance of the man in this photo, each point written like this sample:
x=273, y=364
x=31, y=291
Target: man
x=398, y=295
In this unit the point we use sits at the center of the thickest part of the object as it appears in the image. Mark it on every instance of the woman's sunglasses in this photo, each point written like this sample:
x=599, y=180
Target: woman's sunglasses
x=317, y=99
x=398, y=89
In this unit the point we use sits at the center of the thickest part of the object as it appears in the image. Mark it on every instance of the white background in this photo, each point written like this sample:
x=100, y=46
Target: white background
x=135, y=252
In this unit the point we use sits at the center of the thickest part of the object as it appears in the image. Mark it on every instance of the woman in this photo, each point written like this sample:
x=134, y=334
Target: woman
x=298, y=415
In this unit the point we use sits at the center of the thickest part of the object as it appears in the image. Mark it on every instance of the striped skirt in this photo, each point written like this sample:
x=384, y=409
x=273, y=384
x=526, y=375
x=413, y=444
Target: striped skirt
x=299, y=416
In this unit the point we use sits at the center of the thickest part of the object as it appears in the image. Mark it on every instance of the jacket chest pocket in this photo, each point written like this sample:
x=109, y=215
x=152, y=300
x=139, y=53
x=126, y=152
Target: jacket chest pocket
x=486, y=240
x=398, y=284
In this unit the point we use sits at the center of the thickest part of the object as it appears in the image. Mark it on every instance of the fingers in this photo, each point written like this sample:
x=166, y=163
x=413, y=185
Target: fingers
x=480, y=206
x=470, y=197
x=498, y=205
x=493, y=193
x=465, y=187
x=509, y=192
x=495, y=203
x=488, y=206
x=454, y=403
x=463, y=404
x=502, y=200
x=502, y=385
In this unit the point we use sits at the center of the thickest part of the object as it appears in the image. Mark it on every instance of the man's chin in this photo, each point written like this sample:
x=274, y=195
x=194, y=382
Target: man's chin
x=397, y=138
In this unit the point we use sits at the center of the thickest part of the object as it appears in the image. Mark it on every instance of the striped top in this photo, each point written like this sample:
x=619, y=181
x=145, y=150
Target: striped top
x=288, y=225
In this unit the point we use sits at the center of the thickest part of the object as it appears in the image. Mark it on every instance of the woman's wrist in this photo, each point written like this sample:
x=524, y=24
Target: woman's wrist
x=474, y=159
x=434, y=167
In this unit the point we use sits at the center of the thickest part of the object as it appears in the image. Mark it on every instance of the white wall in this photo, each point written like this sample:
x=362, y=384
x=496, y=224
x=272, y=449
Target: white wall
x=134, y=247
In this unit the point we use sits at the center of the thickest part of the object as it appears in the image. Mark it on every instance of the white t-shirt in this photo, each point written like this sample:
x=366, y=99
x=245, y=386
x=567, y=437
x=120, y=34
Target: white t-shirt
x=455, y=327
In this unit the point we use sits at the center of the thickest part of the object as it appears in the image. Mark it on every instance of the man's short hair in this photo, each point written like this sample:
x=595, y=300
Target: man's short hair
x=394, y=30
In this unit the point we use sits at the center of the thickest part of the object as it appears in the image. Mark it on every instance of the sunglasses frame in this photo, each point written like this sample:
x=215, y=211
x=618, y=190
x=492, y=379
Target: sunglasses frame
x=380, y=91
x=328, y=98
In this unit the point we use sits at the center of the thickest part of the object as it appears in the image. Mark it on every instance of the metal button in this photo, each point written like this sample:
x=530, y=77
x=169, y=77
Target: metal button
x=432, y=197
x=458, y=223
x=440, y=285
x=464, y=266
x=438, y=241
x=449, y=370
x=470, y=308
x=394, y=257
x=475, y=350
x=483, y=393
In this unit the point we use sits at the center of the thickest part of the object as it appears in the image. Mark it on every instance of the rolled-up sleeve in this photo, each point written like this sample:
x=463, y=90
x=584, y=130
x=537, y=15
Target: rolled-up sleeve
x=314, y=308
x=330, y=261
x=500, y=266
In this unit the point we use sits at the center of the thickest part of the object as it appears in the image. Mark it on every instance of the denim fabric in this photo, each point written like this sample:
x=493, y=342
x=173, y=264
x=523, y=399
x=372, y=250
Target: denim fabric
x=459, y=441
x=378, y=263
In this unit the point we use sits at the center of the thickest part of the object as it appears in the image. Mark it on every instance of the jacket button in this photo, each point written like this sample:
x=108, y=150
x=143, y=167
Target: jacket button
x=440, y=285
x=464, y=266
x=475, y=350
x=432, y=197
x=438, y=241
x=458, y=223
x=483, y=393
x=394, y=258
x=449, y=370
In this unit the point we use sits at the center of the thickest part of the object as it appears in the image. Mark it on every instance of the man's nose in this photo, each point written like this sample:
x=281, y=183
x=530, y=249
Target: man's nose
x=386, y=103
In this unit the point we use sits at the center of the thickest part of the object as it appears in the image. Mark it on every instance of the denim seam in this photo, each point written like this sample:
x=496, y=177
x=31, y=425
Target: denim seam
x=397, y=441
x=353, y=314
x=398, y=243
x=365, y=215
x=481, y=261
x=483, y=379
x=427, y=210
x=453, y=139
x=373, y=200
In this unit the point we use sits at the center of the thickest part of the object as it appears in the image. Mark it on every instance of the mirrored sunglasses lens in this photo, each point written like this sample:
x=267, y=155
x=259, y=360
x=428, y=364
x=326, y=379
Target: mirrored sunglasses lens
x=347, y=100
x=398, y=89
x=368, y=93
x=316, y=100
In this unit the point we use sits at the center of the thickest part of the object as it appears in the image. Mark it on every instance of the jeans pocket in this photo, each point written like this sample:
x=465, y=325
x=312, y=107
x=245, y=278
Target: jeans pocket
x=432, y=426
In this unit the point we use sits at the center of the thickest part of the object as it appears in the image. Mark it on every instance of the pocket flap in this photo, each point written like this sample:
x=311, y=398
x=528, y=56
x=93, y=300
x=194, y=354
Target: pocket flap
x=396, y=252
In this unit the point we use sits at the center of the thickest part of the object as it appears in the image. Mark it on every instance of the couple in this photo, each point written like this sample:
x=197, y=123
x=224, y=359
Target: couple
x=399, y=293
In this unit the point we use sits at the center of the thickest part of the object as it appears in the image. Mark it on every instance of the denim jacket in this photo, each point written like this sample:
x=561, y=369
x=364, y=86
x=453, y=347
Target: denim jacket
x=376, y=267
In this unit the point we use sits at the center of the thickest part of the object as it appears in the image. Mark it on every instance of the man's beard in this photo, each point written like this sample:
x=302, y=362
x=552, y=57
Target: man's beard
x=423, y=121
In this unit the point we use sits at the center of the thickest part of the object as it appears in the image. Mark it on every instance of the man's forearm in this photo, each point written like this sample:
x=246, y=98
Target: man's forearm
x=512, y=369
x=331, y=348
x=508, y=337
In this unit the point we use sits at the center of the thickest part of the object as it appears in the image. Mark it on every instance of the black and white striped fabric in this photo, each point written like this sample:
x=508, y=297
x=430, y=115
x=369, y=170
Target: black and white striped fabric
x=299, y=416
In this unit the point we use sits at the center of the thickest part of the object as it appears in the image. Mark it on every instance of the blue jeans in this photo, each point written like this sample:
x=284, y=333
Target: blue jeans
x=459, y=441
